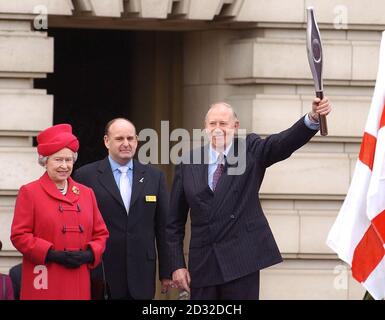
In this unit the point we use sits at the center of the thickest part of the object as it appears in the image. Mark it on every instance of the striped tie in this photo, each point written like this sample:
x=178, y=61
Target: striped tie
x=218, y=171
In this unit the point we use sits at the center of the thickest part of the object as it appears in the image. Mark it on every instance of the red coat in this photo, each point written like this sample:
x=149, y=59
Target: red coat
x=44, y=218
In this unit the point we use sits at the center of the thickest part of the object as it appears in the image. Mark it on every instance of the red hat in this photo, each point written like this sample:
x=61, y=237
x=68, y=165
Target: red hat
x=55, y=138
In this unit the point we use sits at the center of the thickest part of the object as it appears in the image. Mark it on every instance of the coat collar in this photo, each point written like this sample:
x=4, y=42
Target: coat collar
x=49, y=186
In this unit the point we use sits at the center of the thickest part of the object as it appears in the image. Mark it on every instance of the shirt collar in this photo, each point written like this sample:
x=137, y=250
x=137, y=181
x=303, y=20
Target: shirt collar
x=116, y=166
x=214, y=154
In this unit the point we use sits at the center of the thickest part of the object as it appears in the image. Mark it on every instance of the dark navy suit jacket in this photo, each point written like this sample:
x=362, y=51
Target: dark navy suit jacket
x=230, y=235
x=130, y=255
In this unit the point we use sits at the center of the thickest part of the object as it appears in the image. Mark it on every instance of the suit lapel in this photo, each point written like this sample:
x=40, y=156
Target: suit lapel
x=200, y=173
x=139, y=180
x=49, y=186
x=226, y=183
x=106, y=179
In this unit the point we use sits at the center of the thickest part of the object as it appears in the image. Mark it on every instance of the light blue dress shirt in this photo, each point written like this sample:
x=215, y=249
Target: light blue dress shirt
x=310, y=124
x=115, y=170
x=213, y=154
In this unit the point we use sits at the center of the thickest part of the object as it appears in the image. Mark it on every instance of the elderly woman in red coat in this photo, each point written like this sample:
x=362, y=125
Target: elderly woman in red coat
x=57, y=225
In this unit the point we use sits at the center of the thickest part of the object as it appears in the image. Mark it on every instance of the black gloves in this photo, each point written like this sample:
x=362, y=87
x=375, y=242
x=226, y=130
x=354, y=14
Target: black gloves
x=86, y=256
x=70, y=259
x=62, y=257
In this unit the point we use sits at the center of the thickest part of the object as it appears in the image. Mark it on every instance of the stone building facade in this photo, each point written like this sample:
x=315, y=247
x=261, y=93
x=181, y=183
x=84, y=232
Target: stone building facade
x=168, y=60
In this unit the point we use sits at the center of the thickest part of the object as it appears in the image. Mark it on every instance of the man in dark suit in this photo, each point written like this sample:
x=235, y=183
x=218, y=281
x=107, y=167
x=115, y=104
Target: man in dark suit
x=230, y=237
x=133, y=200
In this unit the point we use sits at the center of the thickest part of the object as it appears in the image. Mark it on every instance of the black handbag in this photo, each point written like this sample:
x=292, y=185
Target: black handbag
x=99, y=287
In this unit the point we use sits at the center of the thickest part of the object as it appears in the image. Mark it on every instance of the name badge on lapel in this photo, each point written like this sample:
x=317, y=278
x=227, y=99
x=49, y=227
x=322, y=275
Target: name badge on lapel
x=150, y=198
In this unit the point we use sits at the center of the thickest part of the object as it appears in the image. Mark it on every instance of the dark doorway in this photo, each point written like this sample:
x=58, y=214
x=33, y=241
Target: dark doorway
x=90, y=84
x=102, y=74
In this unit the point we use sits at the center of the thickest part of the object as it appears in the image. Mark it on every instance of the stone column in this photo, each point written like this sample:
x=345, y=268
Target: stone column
x=25, y=54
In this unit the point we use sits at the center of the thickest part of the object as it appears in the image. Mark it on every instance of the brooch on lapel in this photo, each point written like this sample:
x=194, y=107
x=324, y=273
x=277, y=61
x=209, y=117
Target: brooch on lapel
x=75, y=190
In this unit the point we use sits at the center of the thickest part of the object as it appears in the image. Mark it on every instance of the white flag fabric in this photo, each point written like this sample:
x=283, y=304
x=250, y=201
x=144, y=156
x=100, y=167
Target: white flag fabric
x=358, y=233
